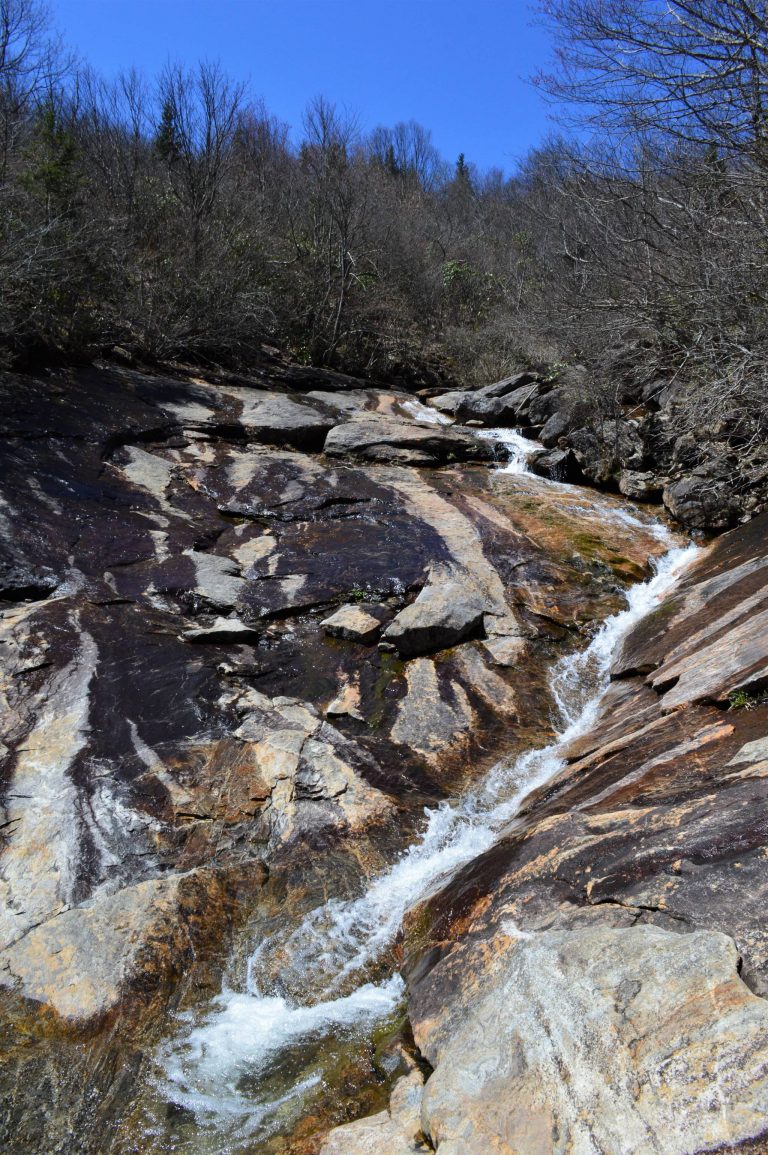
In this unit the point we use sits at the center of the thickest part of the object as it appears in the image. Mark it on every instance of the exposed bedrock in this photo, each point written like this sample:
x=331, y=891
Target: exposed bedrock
x=596, y=979
x=234, y=669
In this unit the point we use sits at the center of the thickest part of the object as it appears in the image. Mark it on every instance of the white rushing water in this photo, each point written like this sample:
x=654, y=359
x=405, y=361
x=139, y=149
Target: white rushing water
x=519, y=449
x=328, y=962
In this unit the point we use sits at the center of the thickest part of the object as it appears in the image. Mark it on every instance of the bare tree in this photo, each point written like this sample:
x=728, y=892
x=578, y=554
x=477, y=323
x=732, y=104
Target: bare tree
x=692, y=70
x=32, y=63
x=199, y=119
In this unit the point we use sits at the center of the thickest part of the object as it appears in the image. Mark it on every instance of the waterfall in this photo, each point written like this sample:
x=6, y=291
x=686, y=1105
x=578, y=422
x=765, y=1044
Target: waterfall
x=519, y=449
x=331, y=984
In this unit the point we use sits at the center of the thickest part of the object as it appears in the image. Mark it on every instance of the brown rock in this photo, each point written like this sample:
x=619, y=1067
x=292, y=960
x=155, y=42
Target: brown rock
x=355, y=623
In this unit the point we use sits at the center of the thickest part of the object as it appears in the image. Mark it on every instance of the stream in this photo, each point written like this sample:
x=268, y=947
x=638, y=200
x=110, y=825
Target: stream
x=337, y=981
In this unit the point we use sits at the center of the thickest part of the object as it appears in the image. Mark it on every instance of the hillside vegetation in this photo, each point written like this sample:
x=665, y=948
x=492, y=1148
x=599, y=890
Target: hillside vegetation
x=174, y=217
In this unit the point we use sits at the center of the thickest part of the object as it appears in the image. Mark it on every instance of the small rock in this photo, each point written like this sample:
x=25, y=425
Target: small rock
x=346, y=703
x=640, y=486
x=355, y=624
x=506, y=652
x=222, y=630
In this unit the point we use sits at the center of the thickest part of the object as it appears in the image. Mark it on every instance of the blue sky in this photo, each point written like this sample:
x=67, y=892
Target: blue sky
x=459, y=67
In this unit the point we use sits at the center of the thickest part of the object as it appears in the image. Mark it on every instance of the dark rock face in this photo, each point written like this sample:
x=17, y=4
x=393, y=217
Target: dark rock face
x=702, y=501
x=21, y=582
x=558, y=425
x=185, y=748
x=558, y=465
x=505, y=403
x=501, y=403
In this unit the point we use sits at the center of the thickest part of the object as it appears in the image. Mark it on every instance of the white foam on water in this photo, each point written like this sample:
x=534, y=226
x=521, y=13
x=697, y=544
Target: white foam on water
x=335, y=945
x=327, y=963
x=608, y=511
x=519, y=449
x=243, y=1036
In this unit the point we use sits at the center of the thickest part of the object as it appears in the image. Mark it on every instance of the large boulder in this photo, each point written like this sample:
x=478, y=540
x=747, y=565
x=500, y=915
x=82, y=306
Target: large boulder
x=449, y=609
x=557, y=465
x=570, y=415
x=702, y=501
x=374, y=437
x=602, y=453
x=508, y=408
x=509, y=385
x=88, y=959
x=544, y=403
x=449, y=402
x=277, y=419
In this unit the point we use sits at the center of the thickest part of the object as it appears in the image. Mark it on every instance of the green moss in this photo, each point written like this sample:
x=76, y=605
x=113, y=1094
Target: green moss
x=390, y=668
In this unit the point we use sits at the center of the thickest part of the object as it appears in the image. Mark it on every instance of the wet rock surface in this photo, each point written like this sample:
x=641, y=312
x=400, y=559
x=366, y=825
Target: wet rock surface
x=621, y=910
x=189, y=751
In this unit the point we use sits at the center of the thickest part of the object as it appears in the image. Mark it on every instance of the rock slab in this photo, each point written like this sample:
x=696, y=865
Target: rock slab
x=633, y=1039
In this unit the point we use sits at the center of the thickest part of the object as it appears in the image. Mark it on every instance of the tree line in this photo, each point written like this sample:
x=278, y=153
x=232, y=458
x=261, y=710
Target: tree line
x=176, y=218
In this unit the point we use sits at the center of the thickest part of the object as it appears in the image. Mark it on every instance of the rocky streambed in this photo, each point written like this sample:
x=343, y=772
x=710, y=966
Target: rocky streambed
x=342, y=786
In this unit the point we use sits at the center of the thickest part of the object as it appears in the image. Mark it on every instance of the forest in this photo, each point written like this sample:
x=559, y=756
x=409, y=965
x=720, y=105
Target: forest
x=174, y=218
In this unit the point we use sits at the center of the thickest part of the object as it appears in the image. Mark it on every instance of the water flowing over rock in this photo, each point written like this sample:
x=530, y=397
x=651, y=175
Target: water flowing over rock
x=630, y=885
x=303, y=686
x=627, y=433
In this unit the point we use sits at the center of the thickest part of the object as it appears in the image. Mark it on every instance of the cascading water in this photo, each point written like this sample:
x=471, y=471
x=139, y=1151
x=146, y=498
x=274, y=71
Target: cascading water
x=331, y=984
x=519, y=449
